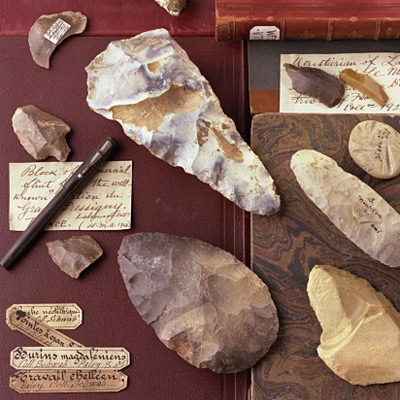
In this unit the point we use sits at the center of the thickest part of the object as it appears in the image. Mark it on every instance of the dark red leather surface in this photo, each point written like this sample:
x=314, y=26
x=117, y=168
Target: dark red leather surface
x=165, y=199
x=111, y=17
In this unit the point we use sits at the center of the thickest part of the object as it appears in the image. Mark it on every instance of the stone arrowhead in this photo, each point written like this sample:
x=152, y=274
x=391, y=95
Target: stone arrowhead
x=50, y=30
x=150, y=86
x=174, y=7
x=360, y=327
x=40, y=133
x=201, y=301
x=75, y=254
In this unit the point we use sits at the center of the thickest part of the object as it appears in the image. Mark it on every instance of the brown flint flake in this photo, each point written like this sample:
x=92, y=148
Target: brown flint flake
x=316, y=83
x=202, y=302
x=174, y=7
x=75, y=254
x=40, y=133
x=50, y=30
x=365, y=84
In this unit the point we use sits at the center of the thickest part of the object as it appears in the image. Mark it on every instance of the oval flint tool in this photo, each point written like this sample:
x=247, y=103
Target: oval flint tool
x=80, y=178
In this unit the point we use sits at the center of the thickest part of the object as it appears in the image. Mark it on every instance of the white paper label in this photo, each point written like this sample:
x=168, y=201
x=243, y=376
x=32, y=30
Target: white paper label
x=57, y=31
x=265, y=33
x=103, y=204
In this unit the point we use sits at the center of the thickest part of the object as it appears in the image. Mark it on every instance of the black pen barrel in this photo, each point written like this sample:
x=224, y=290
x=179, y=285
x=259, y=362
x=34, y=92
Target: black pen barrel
x=80, y=177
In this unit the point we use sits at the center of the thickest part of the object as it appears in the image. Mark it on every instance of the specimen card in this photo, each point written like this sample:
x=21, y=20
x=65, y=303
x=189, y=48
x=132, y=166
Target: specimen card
x=103, y=204
x=18, y=320
x=57, y=315
x=384, y=68
x=68, y=381
x=69, y=358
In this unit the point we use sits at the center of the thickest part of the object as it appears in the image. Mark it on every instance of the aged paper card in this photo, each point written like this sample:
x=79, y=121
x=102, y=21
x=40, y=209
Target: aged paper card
x=103, y=204
x=68, y=381
x=382, y=67
x=70, y=358
x=58, y=316
x=37, y=330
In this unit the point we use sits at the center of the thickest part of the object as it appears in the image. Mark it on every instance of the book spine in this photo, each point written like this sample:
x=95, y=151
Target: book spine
x=318, y=28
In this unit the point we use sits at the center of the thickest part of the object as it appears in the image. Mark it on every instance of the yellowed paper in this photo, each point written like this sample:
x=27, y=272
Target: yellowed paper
x=58, y=316
x=38, y=331
x=114, y=358
x=103, y=204
x=68, y=381
x=384, y=68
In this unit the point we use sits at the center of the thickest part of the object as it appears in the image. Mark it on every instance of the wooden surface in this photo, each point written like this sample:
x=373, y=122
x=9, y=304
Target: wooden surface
x=286, y=246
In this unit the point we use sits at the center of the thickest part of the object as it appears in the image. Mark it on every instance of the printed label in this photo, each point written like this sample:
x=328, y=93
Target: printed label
x=265, y=33
x=69, y=358
x=68, y=381
x=58, y=316
x=38, y=331
x=57, y=31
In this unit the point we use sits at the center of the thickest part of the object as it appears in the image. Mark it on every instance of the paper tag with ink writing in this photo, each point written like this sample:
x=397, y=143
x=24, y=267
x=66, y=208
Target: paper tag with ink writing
x=58, y=316
x=38, y=331
x=68, y=381
x=57, y=30
x=265, y=33
x=114, y=358
x=103, y=204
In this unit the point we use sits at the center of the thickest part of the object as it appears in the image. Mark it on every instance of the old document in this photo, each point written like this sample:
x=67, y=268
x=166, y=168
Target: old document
x=103, y=204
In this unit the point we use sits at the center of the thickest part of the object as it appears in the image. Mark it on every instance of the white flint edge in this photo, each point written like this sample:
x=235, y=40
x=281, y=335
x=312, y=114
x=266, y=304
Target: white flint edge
x=351, y=205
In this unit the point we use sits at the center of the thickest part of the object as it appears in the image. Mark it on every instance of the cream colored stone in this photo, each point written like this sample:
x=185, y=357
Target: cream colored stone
x=360, y=339
x=350, y=204
x=150, y=86
x=375, y=147
x=174, y=7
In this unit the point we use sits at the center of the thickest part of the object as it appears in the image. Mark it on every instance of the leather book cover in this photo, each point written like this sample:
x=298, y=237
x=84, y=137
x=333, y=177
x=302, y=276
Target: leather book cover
x=318, y=19
x=165, y=199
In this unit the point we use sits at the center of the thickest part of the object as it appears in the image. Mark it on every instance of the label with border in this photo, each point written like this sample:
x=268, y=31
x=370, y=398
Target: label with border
x=57, y=30
x=38, y=331
x=115, y=358
x=57, y=315
x=68, y=381
x=265, y=33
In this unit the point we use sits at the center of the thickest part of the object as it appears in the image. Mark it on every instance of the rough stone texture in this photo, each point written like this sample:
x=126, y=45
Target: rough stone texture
x=40, y=133
x=42, y=48
x=201, y=301
x=360, y=339
x=365, y=84
x=350, y=204
x=150, y=86
x=375, y=147
x=316, y=83
x=75, y=254
x=174, y=7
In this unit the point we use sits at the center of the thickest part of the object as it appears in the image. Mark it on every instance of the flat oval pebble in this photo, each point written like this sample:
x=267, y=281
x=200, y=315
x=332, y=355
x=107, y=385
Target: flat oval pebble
x=201, y=301
x=375, y=147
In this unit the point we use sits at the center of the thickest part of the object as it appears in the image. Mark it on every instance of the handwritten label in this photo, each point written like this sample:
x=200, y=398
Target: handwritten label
x=382, y=67
x=103, y=204
x=265, y=33
x=69, y=358
x=68, y=381
x=38, y=331
x=58, y=316
x=57, y=30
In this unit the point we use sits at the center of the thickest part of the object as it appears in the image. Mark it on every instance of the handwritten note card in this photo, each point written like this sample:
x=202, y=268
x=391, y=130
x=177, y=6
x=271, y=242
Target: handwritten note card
x=103, y=204
x=383, y=67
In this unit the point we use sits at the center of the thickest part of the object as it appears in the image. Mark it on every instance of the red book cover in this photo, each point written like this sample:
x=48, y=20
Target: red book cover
x=165, y=199
x=316, y=19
